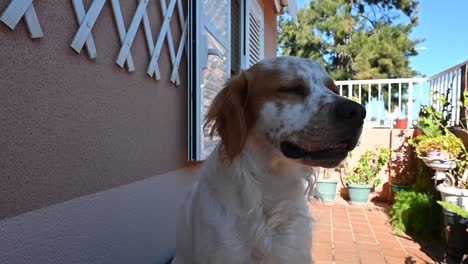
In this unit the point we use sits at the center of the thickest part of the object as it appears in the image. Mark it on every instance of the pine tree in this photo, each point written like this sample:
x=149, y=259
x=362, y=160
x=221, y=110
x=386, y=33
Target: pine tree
x=354, y=39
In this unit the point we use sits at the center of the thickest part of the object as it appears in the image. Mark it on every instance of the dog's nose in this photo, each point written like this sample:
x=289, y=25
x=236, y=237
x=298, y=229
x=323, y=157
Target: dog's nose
x=350, y=112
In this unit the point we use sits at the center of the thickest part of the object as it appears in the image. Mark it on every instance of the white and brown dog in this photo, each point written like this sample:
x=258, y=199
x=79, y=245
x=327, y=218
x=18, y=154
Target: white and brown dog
x=277, y=120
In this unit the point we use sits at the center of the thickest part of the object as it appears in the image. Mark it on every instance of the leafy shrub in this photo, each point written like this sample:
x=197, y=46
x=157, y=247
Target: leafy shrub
x=369, y=164
x=454, y=208
x=417, y=214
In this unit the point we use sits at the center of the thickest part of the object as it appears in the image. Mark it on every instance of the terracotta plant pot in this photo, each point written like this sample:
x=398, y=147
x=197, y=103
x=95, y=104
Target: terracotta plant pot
x=401, y=123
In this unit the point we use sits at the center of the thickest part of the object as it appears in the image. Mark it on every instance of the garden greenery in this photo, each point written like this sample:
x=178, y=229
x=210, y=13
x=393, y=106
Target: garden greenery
x=369, y=164
x=437, y=136
x=454, y=208
x=416, y=214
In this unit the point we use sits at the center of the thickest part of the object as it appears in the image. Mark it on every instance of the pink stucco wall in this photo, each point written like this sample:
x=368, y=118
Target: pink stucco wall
x=70, y=125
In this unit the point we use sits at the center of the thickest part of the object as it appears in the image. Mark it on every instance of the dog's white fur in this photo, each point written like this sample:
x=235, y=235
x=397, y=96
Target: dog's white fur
x=249, y=205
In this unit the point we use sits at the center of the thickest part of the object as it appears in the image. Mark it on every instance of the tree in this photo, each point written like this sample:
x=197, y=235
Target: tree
x=354, y=39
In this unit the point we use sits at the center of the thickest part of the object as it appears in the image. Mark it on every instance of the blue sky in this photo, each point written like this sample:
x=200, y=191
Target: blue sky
x=443, y=25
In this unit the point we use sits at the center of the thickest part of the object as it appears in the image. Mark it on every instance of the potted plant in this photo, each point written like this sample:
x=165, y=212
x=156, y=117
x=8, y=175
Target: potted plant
x=456, y=221
x=444, y=152
x=446, y=146
x=402, y=171
x=402, y=181
x=363, y=177
x=326, y=186
x=401, y=122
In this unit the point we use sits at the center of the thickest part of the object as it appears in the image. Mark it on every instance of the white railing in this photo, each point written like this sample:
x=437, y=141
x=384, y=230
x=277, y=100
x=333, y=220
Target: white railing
x=388, y=99
x=448, y=83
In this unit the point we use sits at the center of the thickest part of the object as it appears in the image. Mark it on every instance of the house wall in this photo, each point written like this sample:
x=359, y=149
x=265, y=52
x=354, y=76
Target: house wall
x=271, y=36
x=72, y=126
x=92, y=158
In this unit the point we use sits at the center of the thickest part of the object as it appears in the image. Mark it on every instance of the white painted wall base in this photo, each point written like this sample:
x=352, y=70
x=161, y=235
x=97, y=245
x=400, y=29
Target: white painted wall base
x=134, y=224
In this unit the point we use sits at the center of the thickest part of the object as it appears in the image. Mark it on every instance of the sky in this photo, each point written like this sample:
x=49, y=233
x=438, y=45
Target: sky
x=443, y=25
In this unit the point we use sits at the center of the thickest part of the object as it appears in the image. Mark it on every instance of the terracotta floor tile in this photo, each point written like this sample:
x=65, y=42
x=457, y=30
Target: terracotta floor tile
x=364, y=246
x=365, y=238
x=382, y=229
x=360, y=234
x=385, y=236
x=359, y=221
x=342, y=235
x=408, y=243
x=345, y=245
x=342, y=227
x=355, y=208
x=386, y=225
x=322, y=253
x=393, y=252
x=352, y=261
x=373, y=260
x=357, y=215
x=395, y=260
x=390, y=245
x=324, y=228
x=361, y=225
x=363, y=230
x=346, y=255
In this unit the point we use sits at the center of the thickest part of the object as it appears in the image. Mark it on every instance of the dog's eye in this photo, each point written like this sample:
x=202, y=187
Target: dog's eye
x=293, y=90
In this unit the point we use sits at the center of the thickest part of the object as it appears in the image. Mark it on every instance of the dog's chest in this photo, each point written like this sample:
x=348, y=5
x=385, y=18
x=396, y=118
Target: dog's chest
x=282, y=236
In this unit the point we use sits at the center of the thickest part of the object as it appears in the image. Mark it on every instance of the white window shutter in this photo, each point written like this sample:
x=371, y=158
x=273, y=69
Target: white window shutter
x=256, y=33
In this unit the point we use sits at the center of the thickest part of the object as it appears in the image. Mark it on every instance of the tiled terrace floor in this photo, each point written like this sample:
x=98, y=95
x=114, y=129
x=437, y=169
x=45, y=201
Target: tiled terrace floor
x=360, y=234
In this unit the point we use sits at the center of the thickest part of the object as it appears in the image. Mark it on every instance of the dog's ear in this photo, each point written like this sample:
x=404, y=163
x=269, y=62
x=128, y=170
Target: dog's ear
x=227, y=114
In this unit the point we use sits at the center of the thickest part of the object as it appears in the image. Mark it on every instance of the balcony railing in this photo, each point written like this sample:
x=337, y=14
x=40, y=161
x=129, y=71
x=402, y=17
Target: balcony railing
x=389, y=99
x=451, y=83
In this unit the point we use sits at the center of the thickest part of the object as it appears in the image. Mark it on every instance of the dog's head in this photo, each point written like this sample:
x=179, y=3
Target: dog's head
x=294, y=105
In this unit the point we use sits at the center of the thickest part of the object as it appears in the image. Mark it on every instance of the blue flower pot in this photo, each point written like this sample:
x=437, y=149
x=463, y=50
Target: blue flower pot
x=359, y=193
x=399, y=187
x=326, y=189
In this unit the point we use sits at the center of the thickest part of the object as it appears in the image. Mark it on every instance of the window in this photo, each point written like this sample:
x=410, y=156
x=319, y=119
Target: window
x=226, y=36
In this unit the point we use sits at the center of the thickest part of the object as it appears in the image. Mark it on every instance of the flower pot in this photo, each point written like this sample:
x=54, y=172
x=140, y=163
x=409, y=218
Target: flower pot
x=436, y=155
x=401, y=123
x=457, y=233
x=326, y=190
x=453, y=195
x=399, y=187
x=359, y=193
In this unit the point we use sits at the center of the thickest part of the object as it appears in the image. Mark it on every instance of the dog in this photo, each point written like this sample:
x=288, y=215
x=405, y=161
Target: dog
x=276, y=122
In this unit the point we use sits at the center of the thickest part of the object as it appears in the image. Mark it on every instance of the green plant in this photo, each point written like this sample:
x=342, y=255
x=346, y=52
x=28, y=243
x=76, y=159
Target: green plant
x=417, y=214
x=437, y=136
x=405, y=178
x=449, y=144
x=401, y=162
x=435, y=122
x=369, y=164
x=454, y=208
x=325, y=173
